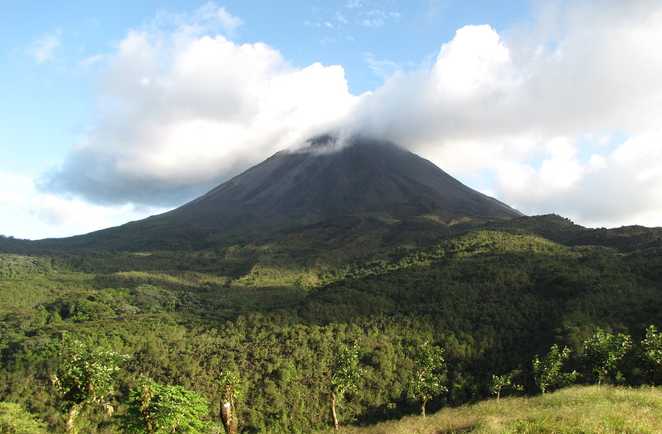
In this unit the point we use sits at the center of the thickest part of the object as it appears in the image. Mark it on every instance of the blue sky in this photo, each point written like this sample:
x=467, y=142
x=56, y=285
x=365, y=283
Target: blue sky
x=112, y=111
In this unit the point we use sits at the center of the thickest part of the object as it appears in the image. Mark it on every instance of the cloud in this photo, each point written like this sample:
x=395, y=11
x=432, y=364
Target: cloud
x=358, y=12
x=377, y=18
x=520, y=105
x=229, y=22
x=382, y=68
x=44, y=48
x=179, y=112
x=30, y=213
x=354, y=4
x=184, y=108
x=92, y=60
x=619, y=187
x=207, y=19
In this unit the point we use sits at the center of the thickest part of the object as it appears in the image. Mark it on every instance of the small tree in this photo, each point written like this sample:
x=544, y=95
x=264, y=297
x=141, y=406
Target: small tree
x=500, y=383
x=230, y=393
x=548, y=371
x=158, y=409
x=651, y=346
x=604, y=352
x=85, y=377
x=429, y=374
x=345, y=377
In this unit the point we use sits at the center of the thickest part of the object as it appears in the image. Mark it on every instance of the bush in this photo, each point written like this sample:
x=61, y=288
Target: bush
x=159, y=409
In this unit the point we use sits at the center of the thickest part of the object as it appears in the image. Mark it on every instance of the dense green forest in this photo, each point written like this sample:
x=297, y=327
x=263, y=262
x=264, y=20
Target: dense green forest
x=277, y=313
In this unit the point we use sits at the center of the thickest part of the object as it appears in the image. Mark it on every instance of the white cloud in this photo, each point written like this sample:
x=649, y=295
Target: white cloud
x=185, y=108
x=383, y=68
x=208, y=18
x=229, y=22
x=44, y=48
x=522, y=105
x=180, y=111
x=92, y=60
x=621, y=187
x=30, y=213
x=375, y=18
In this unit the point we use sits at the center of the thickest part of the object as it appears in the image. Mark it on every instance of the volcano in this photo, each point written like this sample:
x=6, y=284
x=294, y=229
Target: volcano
x=320, y=181
x=326, y=179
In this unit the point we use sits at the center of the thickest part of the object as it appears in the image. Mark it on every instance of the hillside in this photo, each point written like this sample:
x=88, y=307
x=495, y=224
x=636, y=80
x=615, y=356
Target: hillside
x=492, y=299
x=573, y=410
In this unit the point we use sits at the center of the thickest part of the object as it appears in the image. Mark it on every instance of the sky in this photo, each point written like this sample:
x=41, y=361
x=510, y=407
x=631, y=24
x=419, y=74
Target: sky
x=114, y=111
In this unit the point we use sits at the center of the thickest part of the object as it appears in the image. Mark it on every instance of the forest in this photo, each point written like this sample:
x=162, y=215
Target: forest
x=270, y=337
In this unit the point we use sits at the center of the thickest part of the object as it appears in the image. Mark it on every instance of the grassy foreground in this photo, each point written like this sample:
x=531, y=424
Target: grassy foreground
x=591, y=409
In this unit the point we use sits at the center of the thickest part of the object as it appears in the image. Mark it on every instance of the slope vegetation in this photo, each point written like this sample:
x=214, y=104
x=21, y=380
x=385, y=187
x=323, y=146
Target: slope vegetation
x=589, y=409
x=277, y=312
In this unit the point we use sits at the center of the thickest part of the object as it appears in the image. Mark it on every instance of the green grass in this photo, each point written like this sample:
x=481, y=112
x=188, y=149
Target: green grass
x=573, y=410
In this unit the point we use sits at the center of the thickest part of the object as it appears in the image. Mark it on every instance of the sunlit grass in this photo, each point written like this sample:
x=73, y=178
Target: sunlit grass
x=573, y=410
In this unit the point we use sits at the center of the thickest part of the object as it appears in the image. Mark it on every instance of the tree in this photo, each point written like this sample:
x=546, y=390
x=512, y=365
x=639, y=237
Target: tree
x=231, y=392
x=651, y=346
x=548, y=371
x=154, y=408
x=429, y=374
x=85, y=377
x=15, y=420
x=603, y=353
x=499, y=383
x=345, y=377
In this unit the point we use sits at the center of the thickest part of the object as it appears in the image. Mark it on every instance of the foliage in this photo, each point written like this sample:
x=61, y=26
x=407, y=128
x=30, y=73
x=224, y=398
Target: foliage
x=429, y=374
x=491, y=298
x=345, y=376
x=159, y=409
x=230, y=384
x=652, y=352
x=346, y=370
x=548, y=371
x=85, y=376
x=500, y=383
x=604, y=353
x=15, y=420
x=231, y=392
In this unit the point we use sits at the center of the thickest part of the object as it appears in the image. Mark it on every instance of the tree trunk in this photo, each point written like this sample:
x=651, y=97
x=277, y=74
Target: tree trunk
x=423, y=403
x=336, y=425
x=498, y=395
x=229, y=418
x=72, y=414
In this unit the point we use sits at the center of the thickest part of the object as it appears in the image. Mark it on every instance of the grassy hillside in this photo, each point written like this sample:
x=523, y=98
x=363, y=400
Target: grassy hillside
x=573, y=410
